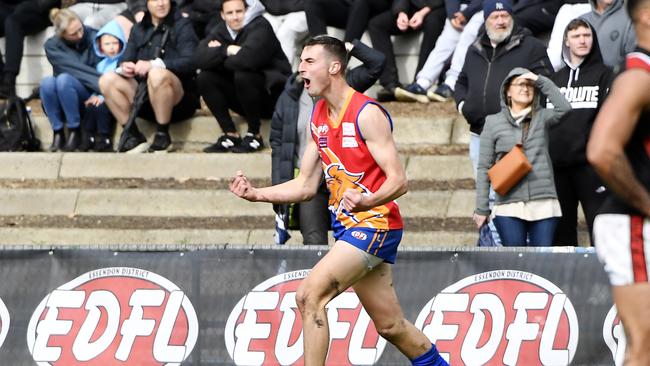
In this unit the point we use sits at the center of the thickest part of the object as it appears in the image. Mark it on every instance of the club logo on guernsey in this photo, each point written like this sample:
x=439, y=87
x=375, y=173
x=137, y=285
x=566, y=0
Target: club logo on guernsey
x=4, y=322
x=113, y=316
x=614, y=335
x=503, y=317
x=359, y=235
x=265, y=327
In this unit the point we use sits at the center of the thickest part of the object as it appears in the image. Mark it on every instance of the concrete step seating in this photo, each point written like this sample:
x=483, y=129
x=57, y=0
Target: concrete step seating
x=63, y=198
x=104, y=198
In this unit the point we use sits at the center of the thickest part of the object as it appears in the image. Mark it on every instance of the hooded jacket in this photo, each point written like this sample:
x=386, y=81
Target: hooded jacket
x=109, y=63
x=486, y=67
x=501, y=133
x=178, y=54
x=78, y=60
x=585, y=87
x=260, y=51
x=615, y=32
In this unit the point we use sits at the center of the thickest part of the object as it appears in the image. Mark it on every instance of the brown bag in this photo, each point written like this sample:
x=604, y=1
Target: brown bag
x=509, y=170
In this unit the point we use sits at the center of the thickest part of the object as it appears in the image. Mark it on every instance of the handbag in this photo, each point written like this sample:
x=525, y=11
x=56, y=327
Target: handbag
x=509, y=170
x=485, y=238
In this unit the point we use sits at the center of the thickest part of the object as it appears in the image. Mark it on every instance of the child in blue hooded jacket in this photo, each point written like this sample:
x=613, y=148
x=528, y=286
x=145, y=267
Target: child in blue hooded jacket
x=98, y=120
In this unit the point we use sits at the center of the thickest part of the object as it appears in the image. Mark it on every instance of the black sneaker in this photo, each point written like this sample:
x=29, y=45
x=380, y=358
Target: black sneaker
x=135, y=143
x=412, y=93
x=442, y=93
x=250, y=143
x=225, y=143
x=103, y=144
x=162, y=142
x=386, y=95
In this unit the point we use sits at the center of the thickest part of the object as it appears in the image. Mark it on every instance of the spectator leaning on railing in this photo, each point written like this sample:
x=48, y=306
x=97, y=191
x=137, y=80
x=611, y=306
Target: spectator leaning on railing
x=243, y=68
x=73, y=58
x=529, y=211
x=170, y=78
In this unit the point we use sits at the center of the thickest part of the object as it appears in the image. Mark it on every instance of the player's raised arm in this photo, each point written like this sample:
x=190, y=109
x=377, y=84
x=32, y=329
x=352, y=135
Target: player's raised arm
x=301, y=188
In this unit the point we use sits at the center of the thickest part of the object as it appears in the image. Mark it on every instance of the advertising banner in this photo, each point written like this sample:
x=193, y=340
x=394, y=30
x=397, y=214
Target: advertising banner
x=227, y=306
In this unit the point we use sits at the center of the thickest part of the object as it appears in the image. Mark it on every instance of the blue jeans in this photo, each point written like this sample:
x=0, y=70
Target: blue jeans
x=63, y=98
x=514, y=231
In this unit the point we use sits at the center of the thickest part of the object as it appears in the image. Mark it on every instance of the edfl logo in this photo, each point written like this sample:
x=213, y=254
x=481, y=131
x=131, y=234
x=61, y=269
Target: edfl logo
x=502, y=317
x=265, y=327
x=113, y=316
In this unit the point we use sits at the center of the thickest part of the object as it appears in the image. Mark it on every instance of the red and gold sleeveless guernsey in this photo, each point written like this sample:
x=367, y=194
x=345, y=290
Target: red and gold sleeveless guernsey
x=347, y=163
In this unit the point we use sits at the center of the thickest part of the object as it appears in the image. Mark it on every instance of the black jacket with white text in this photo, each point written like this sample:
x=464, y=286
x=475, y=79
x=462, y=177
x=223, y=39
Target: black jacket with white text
x=585, y=86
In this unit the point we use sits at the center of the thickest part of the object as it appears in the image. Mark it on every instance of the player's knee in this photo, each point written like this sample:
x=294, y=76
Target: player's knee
x=304, y=299
x=391, y=329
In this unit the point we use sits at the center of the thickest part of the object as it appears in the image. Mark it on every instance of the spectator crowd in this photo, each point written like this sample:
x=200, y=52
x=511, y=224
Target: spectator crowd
x=529, y=72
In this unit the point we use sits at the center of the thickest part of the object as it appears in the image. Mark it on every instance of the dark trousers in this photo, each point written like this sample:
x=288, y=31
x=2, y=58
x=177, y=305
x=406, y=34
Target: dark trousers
x=242, y=91
x=382, y=26
x=315, y=218
x=98, y=120
x=575, y=184
x=537, y=18
x=353, y=16
x=27, y=18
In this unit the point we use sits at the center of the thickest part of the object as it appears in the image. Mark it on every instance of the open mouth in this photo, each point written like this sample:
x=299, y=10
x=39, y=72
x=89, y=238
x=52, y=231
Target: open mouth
x=307, y=82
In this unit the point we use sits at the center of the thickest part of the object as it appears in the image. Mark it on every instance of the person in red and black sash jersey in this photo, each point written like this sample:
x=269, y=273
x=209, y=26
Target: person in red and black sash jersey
x=619, y=150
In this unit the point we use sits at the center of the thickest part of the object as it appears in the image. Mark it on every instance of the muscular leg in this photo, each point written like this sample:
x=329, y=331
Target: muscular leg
x=339, y=269
x=632, y=303
x=377, y=294
x=118, y=93
x=165, y=91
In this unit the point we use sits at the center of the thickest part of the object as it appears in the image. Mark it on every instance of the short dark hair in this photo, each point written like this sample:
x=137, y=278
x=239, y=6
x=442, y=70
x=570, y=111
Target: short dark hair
x=575, y=24
x=225, y=1
x=633, y=6
x=333, y=46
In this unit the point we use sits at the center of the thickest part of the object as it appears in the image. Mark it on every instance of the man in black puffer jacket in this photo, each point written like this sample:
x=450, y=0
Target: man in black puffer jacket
x=243, y=68
x=584, y=81
x=289, y=131
x=170, y=77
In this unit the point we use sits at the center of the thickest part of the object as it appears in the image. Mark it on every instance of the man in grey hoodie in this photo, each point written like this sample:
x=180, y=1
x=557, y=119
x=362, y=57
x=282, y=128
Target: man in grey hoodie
x=614, y=28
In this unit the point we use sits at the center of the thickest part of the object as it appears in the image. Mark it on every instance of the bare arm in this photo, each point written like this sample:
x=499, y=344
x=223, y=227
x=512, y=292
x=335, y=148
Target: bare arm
x=611, y=132
x=301, y=188
x=375, y=128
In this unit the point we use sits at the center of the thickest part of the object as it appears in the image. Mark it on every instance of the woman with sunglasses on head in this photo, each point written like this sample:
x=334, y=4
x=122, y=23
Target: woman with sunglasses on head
x=528, y=213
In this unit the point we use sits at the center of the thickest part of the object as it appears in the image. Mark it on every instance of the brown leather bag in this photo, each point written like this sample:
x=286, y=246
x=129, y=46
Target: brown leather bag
x=509, y=170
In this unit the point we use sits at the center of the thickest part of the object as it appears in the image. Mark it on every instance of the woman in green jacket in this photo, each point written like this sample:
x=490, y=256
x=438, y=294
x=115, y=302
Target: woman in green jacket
x=529, y=212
